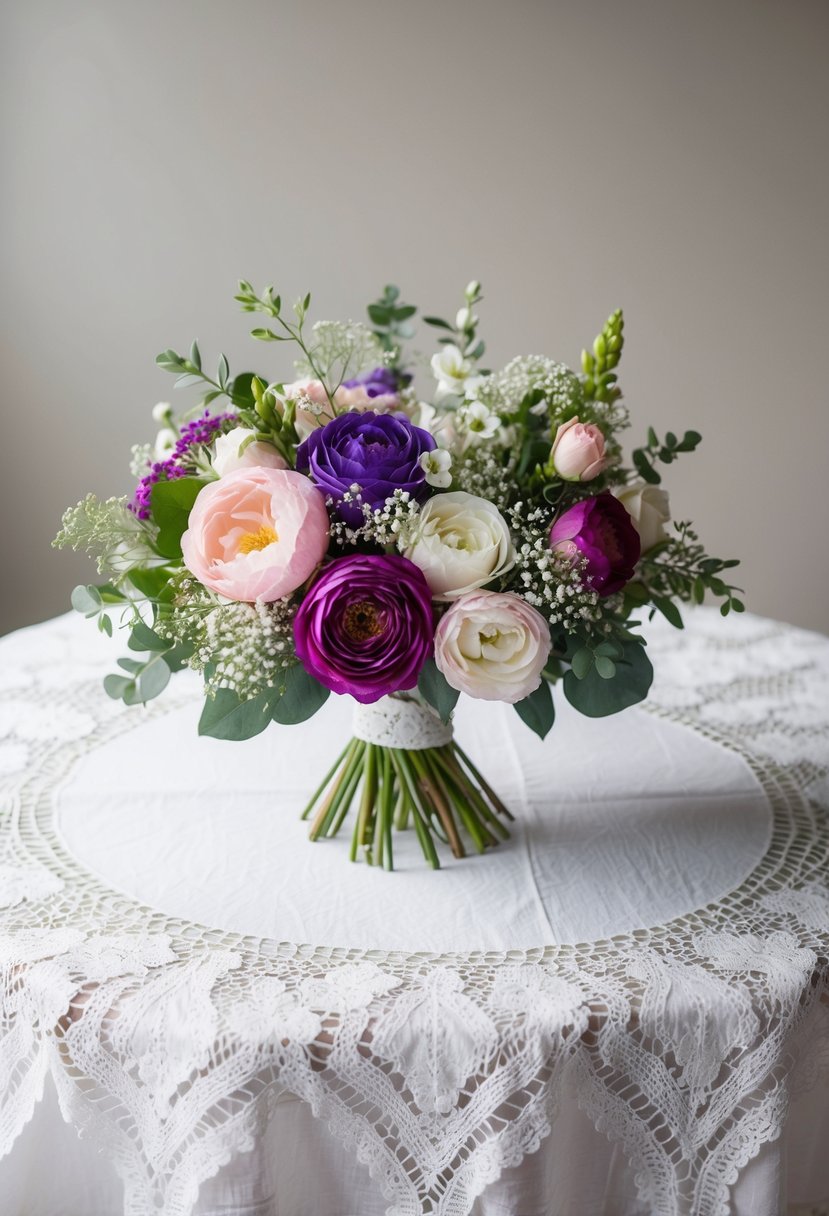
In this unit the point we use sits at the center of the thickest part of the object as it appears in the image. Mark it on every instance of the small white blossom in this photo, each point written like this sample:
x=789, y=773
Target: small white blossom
x=436, y=465
x=162, y=412
x=477, y=420
x=452, y=370
x=465, y=319
x=165, y=441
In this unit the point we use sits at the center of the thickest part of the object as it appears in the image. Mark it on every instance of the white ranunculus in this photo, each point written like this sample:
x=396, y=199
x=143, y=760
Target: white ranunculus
x=461, y=543
x=649, y=509
x=452, y=371
x=229, y=454
x=493, y=646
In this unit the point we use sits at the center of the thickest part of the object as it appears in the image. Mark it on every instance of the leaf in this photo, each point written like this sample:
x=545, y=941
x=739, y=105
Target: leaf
x=241, y=392
x=645, y=469
x=171, y=503
x=133, y=666
x=404, y=312
x=265, y=335
x=105, y=624
x=439, y=323
x=150, y=580
x=581, y=662
x=170, y=361
x=668, y=609
x=379, y=314
x=86, y=600
x=116, y=686
x=605, y=667
x=538, y=710
x=195, y=356
x=434, y=688
x=152, y=679
x=224, y=370
x=302, y=697
x=596, y=698
x=144, y=638
x=176, y=658
x=226, y=717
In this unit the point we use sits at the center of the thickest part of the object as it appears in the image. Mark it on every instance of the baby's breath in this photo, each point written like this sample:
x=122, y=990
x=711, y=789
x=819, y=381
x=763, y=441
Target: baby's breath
x=244, y=647
x=391, y=526
x=552, y=583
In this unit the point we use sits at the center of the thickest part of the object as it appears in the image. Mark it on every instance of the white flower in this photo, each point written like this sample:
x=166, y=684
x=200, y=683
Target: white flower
x=465, y=319
x=492, y=646
x=232, y=451
x=162, y=411
x=461, y=543
x=477, y=420
x=436, y=466
x=649, y=509
x=452, y=371
x=165, y=441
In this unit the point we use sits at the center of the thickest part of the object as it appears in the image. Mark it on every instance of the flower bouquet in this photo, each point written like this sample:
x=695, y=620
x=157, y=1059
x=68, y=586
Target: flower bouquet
x=344, y=532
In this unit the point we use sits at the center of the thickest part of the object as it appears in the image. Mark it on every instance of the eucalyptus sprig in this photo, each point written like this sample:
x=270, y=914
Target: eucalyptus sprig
x=390, y=321
x=665, y=452
x=599, y=379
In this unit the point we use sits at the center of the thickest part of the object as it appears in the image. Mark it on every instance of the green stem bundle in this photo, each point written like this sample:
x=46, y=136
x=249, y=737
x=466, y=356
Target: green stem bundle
x=437, y=789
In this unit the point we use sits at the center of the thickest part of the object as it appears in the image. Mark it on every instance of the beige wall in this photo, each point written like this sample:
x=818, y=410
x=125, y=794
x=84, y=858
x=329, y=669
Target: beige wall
x=572, y=155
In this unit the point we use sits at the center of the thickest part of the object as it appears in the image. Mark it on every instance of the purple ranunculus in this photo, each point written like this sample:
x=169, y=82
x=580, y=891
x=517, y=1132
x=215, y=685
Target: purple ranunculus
x=379, y=382
x=378, y=452
x=365, y=627
x=601, y=531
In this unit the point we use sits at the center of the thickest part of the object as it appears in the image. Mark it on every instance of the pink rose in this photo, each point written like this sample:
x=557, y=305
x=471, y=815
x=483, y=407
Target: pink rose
x=492, y=645
x=256, y=534
x=578, y=451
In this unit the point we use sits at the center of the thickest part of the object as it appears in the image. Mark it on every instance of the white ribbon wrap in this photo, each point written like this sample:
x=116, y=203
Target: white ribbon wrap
x=391, y=722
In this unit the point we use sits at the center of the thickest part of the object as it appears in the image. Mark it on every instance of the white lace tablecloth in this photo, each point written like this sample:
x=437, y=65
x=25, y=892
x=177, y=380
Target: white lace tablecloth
x=624, y=1011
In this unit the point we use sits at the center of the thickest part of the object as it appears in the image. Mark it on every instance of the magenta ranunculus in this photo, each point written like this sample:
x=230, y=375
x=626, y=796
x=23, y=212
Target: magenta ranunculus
x=365, y=627
x=378, y=452
x=601, y=531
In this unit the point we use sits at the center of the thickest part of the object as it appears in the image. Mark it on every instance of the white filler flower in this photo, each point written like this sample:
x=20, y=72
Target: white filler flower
x=437, y=465
x=461, y=543
x=452, y=371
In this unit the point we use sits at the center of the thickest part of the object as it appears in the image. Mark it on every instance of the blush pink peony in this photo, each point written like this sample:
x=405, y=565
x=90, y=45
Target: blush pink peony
x=256, y=534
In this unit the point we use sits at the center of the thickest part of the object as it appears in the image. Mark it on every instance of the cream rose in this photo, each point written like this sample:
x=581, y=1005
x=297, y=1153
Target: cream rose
x=461, y=543
x=492, y=646
x=228, y=455
x=649, y=509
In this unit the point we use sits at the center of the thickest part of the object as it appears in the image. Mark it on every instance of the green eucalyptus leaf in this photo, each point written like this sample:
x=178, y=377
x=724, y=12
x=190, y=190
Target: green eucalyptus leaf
x=538, y=710
x=131, y=665
x=86, y=600
x=434, y=688
x=302, y=697
x=144, y=638
x=225, y=716
x=116, y=686
x=152, y=679
x=596, y=697
x=581, y=662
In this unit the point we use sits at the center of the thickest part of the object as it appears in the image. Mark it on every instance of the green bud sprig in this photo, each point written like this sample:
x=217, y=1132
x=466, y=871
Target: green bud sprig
x=679, y=568
x=600, y=379
x=463, y=333
x=390, y=322
x=645, y=458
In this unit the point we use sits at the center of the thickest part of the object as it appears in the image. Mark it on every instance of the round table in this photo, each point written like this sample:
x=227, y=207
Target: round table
x=623, y=1010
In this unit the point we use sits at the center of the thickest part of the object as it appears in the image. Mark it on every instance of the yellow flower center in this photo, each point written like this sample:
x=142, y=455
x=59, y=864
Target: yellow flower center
x=257, y=540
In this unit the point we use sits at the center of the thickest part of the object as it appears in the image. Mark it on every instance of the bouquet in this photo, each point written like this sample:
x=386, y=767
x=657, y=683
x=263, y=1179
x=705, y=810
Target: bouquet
x=345, y=531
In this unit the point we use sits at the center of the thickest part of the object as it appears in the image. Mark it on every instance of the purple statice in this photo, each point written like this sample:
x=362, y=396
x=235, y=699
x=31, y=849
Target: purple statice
x=198, y=433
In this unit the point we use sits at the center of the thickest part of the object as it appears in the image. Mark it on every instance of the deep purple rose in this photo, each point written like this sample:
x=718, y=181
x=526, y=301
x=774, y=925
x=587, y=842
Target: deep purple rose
x=378, y=452
x=601, y=531
x=365, y=627
x=379, y=382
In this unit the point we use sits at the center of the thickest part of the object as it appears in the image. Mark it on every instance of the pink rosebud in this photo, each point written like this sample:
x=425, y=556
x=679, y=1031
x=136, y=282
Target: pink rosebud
x=256, y=534
x=578, y=451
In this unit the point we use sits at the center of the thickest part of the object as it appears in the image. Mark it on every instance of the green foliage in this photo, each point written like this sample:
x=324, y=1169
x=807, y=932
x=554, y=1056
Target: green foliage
x=434, y=688
x=108, y=531
x=225, y=716
x=609, y=679
x=171, y=503
x=144, y=681
x=599, y=378
x=645, y=458
x=464, y=333
x=681, y=569
x=538, y=710
x=390, y=320
x=300, y=699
